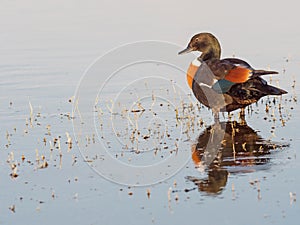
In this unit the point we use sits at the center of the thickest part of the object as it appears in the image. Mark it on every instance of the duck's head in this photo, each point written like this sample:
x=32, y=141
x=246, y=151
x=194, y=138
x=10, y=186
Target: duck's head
x=205, y=43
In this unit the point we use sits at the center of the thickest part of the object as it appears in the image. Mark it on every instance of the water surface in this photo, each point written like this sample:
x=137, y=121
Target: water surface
x=46, y=47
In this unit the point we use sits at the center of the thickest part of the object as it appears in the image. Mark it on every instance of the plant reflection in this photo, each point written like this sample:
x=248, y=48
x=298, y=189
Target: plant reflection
x=229, y=147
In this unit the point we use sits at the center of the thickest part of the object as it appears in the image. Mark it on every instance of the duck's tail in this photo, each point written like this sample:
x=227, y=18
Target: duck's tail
x=268, y=89
x=258, y=73
x=271, y=90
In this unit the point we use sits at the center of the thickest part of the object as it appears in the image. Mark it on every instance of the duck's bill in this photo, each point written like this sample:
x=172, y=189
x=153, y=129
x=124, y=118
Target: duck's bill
x=184, y=51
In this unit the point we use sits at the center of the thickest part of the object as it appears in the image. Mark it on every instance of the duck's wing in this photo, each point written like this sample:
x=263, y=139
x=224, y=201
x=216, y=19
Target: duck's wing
x=233, y=71
x=253, y=89
x=244, y=94
x=237, y=62
x=230, y=69
x=241, y=63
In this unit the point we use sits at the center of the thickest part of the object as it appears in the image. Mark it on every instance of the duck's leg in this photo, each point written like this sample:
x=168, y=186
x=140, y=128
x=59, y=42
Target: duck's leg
x=229, y=116
x=216, y=117
x=242, y=117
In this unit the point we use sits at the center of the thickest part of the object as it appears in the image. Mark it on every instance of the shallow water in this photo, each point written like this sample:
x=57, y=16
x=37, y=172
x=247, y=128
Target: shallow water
x=46, y=48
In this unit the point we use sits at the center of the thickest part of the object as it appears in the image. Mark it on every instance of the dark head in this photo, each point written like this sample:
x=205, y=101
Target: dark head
x=205, y=43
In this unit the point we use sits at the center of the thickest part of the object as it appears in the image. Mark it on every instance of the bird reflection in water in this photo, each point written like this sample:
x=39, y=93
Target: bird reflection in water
x=229, y=147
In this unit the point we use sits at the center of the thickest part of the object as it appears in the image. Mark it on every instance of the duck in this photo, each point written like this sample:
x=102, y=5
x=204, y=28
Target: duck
x=224, y=85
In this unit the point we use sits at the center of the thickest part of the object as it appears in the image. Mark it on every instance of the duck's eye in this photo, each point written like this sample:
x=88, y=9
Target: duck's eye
x=197, y=39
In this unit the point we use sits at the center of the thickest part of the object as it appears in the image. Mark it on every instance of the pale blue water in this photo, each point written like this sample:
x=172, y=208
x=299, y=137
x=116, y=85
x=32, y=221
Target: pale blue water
x=45, y=49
